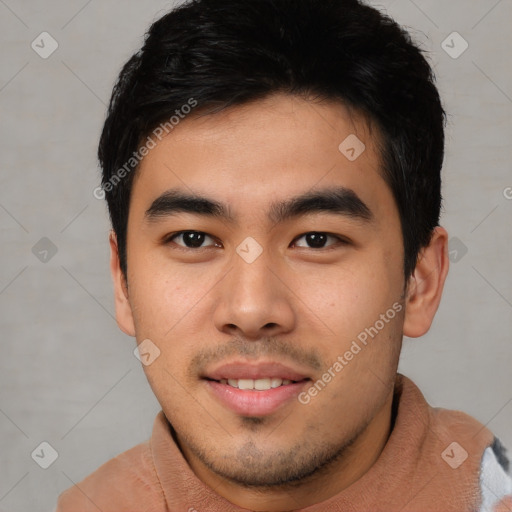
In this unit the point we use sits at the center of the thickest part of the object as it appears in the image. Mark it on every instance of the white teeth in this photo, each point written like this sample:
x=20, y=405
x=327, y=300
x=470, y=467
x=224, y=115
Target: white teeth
x=256, y=384
x=262, y=384
x=276, y=382
x=245, y=384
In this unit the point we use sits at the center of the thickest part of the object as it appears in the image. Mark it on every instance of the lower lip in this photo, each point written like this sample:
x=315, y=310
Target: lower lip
x=255, y=403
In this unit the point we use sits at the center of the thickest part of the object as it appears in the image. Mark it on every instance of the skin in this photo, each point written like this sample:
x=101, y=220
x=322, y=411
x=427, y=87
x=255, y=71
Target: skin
x=295, y=304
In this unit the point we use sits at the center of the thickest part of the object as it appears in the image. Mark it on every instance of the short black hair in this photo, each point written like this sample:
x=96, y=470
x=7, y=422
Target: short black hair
x=213, y=54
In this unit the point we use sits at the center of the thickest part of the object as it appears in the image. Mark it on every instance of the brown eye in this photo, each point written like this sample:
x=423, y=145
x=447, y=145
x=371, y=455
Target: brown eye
x=191, y=239
x=318, y=240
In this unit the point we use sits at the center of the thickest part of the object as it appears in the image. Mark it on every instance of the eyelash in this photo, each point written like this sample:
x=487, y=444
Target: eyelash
x=170, y=239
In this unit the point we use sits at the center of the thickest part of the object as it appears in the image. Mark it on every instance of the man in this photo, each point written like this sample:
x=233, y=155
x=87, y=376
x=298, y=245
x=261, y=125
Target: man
x=272, y=171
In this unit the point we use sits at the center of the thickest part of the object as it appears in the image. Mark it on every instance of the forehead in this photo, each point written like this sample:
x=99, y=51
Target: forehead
x=251, y=155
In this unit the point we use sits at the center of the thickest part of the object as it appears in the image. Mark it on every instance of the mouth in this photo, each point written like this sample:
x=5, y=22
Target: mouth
x=255, y=390
x=264, y=384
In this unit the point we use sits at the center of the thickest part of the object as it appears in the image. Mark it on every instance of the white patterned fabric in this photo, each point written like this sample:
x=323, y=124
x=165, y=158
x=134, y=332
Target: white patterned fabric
x=495, y=482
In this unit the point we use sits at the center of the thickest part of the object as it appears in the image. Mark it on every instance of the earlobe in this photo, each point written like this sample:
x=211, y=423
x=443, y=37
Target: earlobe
x=426, y=285
x=124, y=316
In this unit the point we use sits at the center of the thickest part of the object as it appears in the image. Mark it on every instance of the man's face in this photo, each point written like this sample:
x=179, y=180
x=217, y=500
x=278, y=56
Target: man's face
x=271, y=294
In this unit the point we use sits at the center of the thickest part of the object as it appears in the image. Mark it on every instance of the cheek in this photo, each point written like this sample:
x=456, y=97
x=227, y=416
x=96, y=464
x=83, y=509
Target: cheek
x=348, y=299
x=170, y=307
x=361, y=309
x=163, y=297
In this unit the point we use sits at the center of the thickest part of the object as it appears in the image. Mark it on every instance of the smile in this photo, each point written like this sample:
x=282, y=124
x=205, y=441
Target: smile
x=257, y=384
x=250, y=388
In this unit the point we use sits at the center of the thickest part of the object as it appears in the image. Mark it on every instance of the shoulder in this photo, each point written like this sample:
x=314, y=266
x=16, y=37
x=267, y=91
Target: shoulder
x=123, y=482
x=495, y=479
x=477, y=454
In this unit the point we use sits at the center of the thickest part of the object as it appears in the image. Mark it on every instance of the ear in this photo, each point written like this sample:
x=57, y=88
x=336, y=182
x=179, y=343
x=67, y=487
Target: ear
x=425, y=286
x=124, y=315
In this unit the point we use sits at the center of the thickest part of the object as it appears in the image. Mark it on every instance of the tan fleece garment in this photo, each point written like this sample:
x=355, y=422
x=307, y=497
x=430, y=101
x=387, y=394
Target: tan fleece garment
x=409, y=476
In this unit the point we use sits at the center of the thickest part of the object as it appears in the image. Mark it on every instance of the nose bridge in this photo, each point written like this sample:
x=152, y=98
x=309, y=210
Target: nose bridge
x=253, y=280
x=252, y=297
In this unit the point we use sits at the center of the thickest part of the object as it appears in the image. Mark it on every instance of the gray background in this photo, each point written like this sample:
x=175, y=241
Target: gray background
x=68, y=375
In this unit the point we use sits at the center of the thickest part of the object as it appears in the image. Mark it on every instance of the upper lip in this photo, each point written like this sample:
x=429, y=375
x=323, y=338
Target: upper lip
x=261, y=370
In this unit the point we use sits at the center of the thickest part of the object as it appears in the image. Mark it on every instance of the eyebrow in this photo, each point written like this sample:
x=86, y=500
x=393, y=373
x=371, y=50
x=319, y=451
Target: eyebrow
x=333, y=200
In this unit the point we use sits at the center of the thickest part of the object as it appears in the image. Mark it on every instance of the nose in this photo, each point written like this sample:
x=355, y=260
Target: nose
x=254, y=300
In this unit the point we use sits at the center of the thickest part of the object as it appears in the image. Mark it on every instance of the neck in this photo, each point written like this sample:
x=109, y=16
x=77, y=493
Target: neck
x=350, y=466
